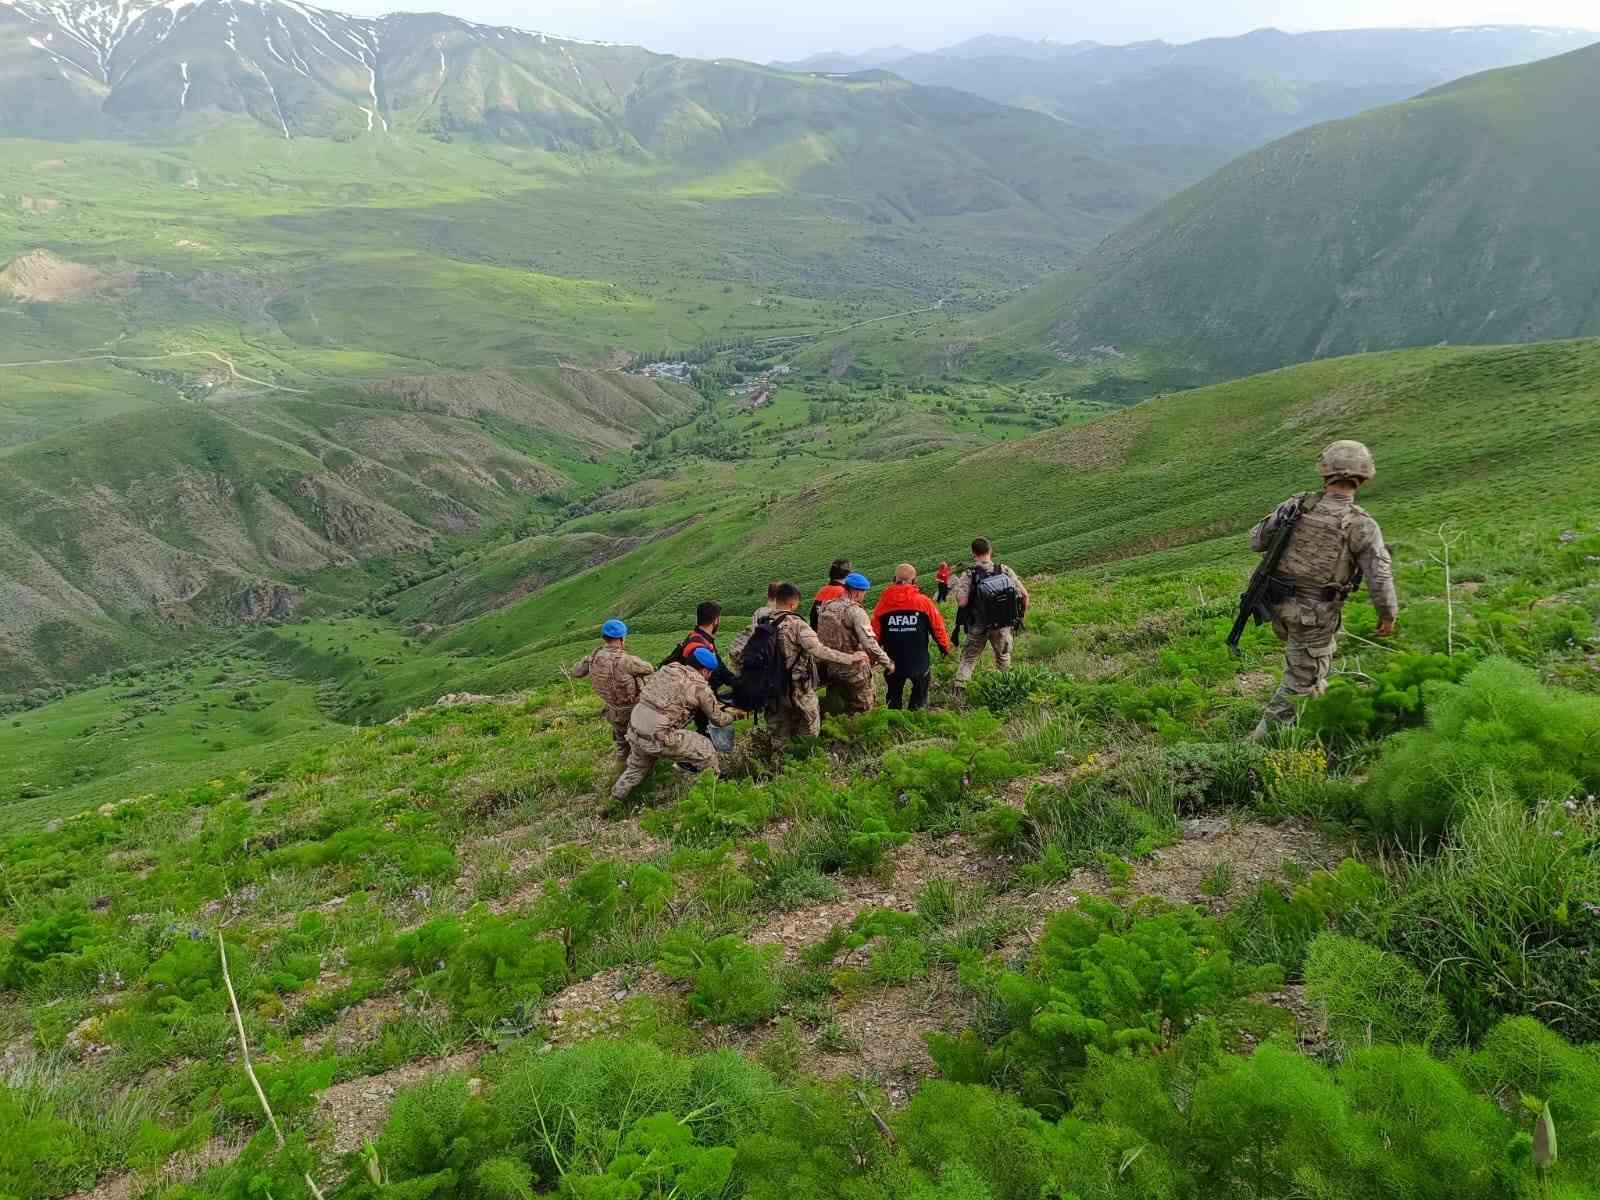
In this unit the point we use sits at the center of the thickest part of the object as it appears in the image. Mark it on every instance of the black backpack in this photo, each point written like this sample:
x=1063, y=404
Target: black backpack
x=994, y=600
x=763, y=675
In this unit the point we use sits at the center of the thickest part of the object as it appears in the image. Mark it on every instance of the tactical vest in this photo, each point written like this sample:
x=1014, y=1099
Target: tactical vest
x=613, y=683
x=834, y=628
x=1319, y=549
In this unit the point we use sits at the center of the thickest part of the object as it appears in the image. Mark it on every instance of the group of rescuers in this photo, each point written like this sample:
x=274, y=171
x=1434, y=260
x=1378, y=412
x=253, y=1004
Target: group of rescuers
x=674, y=712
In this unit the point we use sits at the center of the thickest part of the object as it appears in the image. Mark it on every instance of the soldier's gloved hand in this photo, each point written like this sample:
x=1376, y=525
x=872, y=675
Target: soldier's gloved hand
x=1385, y=627
x=862, y=657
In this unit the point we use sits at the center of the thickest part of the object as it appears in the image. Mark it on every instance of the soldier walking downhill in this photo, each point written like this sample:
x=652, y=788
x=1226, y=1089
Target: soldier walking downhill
x=990, y=606
x=1334, y=544
x=660, y=726
x=796, y=712
x=616, y=677
x=844, y=625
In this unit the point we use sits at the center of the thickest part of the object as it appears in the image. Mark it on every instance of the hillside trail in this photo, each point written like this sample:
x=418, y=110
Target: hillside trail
x=234, y=371
x=874, y=1034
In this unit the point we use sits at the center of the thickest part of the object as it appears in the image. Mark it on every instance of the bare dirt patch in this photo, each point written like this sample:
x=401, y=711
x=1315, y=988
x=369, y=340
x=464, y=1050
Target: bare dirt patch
x=356, y=1110
x=179, y=1169
x=42, y=276
x=913, y=866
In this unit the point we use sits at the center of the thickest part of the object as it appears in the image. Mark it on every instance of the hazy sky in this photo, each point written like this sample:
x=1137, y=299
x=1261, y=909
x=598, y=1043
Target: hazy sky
x=764, y=29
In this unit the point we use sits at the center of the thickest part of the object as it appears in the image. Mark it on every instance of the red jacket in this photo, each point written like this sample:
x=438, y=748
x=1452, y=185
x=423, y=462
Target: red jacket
x=943, y=575
x=902, y=621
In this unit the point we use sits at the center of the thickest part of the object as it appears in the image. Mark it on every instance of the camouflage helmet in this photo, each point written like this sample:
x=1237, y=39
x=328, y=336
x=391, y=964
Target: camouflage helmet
x=1346, y=460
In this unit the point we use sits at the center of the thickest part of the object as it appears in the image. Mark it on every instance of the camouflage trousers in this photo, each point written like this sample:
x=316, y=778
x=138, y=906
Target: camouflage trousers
x=972, y=650
x=679, y=745
x=795, y=716
x=1309, y=631
x=851, y=692
x=618, y=719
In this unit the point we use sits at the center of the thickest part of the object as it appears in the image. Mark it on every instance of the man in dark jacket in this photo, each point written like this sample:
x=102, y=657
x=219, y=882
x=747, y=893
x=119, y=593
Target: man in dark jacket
x=707, y=619
x=904, y=621
x=837, y=570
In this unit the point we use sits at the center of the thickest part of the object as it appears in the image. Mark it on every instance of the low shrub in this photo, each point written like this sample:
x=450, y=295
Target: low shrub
x=41, y=1155
x=735, y=983
x=712, y=811
x=1075, y=823
x=1008, y=691
x=1105, y=979
x=1277, y=925
x=1522, y=1059
x=1367, y=995
x=1395, y=698
x=1504, y=918
x=48, y=940
x=1500, y=731
x=502, y=970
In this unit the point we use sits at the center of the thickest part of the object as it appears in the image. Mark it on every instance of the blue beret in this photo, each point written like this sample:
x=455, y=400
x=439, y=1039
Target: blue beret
x=704, y=658
x=857, y=582
x=614, y=629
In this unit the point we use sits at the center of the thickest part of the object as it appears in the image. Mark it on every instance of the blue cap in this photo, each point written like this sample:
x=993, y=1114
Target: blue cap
x=613, y=628
x=857, y=582
x=704, y=658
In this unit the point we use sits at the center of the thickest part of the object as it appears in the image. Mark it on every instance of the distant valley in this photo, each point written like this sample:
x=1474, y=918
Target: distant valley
x=297, y=308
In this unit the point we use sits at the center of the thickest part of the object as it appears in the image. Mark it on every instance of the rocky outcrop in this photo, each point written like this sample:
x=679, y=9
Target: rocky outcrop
x=266, y=601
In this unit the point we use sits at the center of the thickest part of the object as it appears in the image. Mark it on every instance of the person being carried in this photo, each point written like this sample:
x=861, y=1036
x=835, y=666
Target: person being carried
x=904, y=622
x=616, y=677
x=1335, y=542
x=843, y=625
x=837, y=570
x=736, y=650
x=990, y=606
x=942, y=578
x=660, y=726
x=796, y=712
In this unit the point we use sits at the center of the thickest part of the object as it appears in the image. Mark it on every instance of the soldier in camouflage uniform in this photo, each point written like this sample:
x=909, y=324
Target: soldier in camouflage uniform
x=616, y=677
x=846, y=626
x=1335, y=543
x=661, y=723
x=797, y=713
x=1001, y=638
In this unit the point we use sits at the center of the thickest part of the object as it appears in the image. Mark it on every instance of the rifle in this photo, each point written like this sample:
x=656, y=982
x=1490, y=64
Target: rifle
x=1259, y=596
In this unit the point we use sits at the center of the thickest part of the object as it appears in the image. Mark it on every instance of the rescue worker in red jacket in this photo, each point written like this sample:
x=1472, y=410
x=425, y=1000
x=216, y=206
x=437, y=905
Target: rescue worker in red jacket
x=943, y=580
x=904, y=621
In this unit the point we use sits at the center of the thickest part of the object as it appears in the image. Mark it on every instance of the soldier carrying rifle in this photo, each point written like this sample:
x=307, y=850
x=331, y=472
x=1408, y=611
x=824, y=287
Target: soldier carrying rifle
x=1317, y=546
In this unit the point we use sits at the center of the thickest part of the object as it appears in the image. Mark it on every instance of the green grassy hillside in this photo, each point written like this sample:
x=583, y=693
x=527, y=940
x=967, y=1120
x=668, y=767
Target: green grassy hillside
x=1463, y=216
x=1460, y=435
x=1500, y=440
x=202, y=515
x=1078, y=936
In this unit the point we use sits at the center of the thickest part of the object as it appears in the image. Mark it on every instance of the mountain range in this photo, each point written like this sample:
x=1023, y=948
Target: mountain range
x=1467, y=215
x=284, y=292
x=1190, y=107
